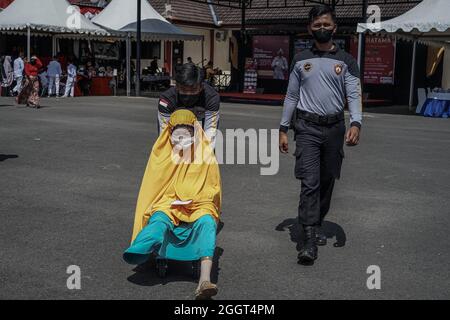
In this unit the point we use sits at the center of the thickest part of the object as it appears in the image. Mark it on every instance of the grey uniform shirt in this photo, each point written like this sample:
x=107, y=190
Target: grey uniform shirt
x=322, y=83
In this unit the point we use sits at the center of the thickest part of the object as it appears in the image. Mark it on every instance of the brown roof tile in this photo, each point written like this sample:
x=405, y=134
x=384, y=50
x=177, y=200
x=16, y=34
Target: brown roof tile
x=199, y=13
x=350, y=9
x=184, y=10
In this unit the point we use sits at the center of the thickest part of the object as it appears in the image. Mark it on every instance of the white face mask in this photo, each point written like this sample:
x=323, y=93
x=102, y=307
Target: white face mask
x=181, y=138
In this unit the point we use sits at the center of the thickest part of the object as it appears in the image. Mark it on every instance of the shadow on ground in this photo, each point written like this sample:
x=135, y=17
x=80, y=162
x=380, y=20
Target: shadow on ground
x=331, y=230
x=4, y=157
x=146, y=274
x=396, y=110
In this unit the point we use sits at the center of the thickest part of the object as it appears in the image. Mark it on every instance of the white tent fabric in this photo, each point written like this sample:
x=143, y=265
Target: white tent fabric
x=120, y=15
x=428, y=22
x=52, y=16
x=426, y=16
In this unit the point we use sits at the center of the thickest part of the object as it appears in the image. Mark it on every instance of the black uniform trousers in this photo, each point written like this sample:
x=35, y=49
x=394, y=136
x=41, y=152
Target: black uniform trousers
x=319, y=154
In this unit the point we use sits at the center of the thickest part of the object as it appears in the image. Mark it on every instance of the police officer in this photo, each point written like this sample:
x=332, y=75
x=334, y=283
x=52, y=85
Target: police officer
x=323, y=80
x=192, y=93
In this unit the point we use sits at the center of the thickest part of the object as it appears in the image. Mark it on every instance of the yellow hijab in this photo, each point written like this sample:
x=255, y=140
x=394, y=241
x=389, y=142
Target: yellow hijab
x=166, y=180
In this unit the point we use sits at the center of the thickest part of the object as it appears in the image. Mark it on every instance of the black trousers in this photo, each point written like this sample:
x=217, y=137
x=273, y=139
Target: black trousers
x=319, y=154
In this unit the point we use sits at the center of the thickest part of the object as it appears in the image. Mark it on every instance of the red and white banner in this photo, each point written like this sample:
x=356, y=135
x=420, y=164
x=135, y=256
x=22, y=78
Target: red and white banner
x=379, y=65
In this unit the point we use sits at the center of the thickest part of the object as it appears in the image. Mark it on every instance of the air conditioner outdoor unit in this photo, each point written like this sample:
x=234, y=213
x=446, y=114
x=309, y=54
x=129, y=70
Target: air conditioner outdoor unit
x=221, y=35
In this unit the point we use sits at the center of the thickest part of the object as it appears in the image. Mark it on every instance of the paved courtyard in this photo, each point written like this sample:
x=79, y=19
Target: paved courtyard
x=70, y=174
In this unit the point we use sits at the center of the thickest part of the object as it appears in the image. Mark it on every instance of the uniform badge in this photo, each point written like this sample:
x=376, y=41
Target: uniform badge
x=307, y=67
x=338, y=69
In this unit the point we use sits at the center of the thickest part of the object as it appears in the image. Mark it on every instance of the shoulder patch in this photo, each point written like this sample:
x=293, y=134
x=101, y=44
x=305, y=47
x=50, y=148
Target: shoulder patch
x=164, y=103
x=338, y=68
x=307, y=66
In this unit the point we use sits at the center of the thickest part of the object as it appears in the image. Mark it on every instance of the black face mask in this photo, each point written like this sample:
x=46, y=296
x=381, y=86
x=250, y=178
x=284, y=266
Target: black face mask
x=188, y=100
x=322, y=35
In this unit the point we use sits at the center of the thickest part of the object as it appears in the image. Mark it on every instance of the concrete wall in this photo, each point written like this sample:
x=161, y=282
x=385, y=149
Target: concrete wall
x=222, y=53
x=193, y=49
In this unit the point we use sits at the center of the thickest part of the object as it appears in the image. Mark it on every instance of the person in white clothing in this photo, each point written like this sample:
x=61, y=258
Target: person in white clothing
x=71, y=79
x=19, y=67
x=7, y=76
x=54, y=72
x=43, y=78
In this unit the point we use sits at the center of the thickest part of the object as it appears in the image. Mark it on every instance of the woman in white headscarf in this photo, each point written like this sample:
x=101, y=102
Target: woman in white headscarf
x=7, y=72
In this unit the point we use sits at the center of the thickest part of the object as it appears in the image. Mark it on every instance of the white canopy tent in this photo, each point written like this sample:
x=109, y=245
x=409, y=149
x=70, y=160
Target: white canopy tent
x=427, y=23
x=47, y=17
x=121, y=14
x=120, y=17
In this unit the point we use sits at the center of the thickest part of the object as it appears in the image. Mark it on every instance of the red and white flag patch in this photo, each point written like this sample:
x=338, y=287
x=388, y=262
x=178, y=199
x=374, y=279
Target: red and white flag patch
x=164, y=103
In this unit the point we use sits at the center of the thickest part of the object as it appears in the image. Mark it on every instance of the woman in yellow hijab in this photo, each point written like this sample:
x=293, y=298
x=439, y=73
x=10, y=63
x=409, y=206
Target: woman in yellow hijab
x=179, y=201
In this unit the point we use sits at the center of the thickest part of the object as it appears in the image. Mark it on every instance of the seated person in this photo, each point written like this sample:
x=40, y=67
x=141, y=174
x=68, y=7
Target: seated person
x=153, y=69
x=85, y=80
x=109, y=71
x=101, y=72
x=180, y=200
x=210, y=73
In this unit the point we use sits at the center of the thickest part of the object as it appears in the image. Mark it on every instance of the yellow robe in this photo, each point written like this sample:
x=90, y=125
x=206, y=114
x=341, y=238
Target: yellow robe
x=166, y=180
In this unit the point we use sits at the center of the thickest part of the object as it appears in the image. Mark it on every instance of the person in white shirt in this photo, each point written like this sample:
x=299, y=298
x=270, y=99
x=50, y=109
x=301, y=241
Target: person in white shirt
x=19, y=67
x=43, y=78
x=71, y=79
x=279, y=66
x=54, y=72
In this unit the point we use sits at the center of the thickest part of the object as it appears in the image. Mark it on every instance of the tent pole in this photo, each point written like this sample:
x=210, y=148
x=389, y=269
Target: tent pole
x=53, y=45
x=128, y=54
x=360, y=41
x=362, y=49
x=28, y=43
x=203, y=50
x=242, y=45
x=413, y=74
x=162, y=53
x=138, y=50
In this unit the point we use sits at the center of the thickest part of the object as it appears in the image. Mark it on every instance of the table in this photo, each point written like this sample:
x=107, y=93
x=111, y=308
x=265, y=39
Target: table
x=155, y=78
x=99, y=87
x=156, y=82
x=437, y=105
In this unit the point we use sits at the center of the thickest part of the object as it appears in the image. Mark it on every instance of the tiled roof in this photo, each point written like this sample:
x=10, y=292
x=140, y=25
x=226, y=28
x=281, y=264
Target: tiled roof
x=199, y=13
x=351, y=10
x=87, y=3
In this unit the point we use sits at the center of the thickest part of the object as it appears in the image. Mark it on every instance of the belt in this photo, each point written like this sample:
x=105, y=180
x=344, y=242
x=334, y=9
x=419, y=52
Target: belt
x=321, y=120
